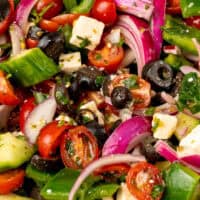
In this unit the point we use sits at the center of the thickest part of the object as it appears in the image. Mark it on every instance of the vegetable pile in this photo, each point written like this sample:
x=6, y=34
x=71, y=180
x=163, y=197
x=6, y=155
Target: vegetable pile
x=100, y=99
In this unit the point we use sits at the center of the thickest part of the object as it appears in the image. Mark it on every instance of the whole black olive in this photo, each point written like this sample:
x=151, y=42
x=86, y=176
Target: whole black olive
x=90, y=78
x=74, y=90
x=148, y=149
x=52, y=44
x=120, y=96
x=35, y=32
x=159, y=74
x=48, y=165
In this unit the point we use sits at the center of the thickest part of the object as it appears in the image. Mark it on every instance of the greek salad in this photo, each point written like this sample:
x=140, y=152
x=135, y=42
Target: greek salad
x=100, y=99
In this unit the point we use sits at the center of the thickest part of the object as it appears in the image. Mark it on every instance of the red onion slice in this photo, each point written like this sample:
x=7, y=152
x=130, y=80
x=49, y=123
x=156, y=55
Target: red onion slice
x=138, y=37
x=42, y=114
x=127, y=135
x=139, y=8
x=189, y=69
x=103, y=161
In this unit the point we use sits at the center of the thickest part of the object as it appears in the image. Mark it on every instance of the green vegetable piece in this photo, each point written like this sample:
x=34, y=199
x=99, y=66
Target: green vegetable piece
x=176, y=61
x=181, y=183
x=83, y=8
x=13, y=197
x=39, y=177
x=190, y=8
x=100, y=191
x=185, y=125
x=176, y=32
x=14, y=151
x=189, y=93
x=69, y=4
x=30, y=67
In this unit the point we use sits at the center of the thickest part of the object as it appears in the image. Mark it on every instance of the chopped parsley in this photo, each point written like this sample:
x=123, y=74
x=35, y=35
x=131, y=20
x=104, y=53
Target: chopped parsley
x=99, y=81
x=39, y=97
x=131, y=82
x=61, y=98
x=157, y=190
x=98, y=56
x=84, y=42
x=156, y=123
x=150, y=111
x=121, y=42
x=70, y=147
x=189, y=93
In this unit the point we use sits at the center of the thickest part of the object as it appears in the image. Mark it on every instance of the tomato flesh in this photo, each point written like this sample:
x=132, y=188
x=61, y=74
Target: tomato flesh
x=193, y=21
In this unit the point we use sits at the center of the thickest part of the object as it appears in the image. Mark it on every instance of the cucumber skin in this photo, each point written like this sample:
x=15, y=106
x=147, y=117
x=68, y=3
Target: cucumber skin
x=30, y=67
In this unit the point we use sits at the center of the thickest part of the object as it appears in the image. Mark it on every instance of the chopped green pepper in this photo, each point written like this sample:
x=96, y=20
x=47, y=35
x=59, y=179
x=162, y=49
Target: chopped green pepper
x=69, y=4
x=190, y=8
x=83, y=8
x=181, y=183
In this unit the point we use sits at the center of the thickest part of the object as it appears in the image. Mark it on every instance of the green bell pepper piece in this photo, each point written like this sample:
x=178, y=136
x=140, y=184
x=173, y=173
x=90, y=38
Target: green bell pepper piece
x=69, y=4
x=190, y=8
x=100, y=191
x=176, y=61
x=83, y=7
x=38, y=176
x=176, y=32
x=181, y=183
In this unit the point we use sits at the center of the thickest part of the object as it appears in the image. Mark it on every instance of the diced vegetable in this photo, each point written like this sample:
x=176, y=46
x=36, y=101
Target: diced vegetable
x=14, y=151
x=30, y=67
x=190, y=8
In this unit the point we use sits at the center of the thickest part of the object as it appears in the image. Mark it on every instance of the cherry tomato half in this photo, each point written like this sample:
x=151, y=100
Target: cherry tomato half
x=108, y=58
x=55, y=7
x=144, y=178
x=4, y=24
x=11, y=180
x=31, y=43
x=78, y=148
x=105, y=11
x=48, y=25
x=50, y=137
x=141, y=93
x=7, y=94
x=193, y=21
x=25, y=110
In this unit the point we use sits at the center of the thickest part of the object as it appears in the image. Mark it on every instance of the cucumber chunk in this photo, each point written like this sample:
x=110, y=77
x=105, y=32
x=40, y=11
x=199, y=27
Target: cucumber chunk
x=30, y=67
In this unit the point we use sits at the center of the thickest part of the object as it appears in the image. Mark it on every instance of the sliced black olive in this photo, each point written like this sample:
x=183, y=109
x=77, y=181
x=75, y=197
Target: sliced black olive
x=98, y=131
x=148, y=149
x=159, y=74
x=35, y=32
x=120, y=96
x=52, y=44
x=48, y=165
x=177, y=83
x=90, y=78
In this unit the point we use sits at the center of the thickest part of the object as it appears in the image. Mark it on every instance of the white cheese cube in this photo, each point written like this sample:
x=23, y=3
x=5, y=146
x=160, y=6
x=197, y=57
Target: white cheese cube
x=124, y=194
x=70, y=62
x=87, y=32
x=163, y=125
x=190, y=144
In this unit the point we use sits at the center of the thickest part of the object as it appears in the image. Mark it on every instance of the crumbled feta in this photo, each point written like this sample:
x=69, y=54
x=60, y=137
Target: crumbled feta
x=87, y=32
x=163, y=125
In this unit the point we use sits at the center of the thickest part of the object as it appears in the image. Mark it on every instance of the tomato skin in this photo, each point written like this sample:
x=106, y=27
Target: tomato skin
x=105, y=11
x=54, y=10
x=141, y=94
x=142, y=190
x=107, y=58
x=7, y=94
x=193, y=21
x=11, y=180
x=49, y=138
x=83, y=142
x=8, y=19
x=31, y=43
x=173, y=7
x=25, y=110
x=48, y=25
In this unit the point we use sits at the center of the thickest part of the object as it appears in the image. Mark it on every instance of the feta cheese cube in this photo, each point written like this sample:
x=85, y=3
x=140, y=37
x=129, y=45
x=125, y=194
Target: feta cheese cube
x=87, y=32
x=70, y=62
x=163, y=125
x=190, y=144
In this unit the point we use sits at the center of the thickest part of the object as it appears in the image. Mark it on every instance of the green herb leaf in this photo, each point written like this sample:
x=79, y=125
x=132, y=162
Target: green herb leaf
x=39, y=97
x=61, y=98
x=150, y=111
x=157, y=190
x=131, y=82
x=99, y=81
x=84, y=42
x=155, y=124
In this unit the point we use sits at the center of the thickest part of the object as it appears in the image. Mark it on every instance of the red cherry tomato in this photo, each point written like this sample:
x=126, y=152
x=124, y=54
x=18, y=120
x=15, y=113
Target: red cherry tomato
x=78, y=148
x=7, y=94
x=173, y=7
x=4, y=24
x=108, y=58
x=141, y=93
x=25, y=110
x=193, y=21
x=11, y=180
x=50, y=137
x=142, y=179
x=55, y=7
x=31, y=43
x=105, y=11
x=48, y=25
